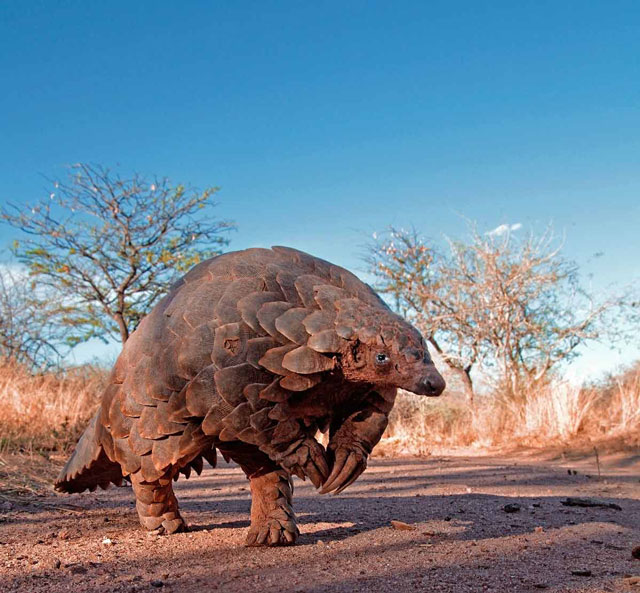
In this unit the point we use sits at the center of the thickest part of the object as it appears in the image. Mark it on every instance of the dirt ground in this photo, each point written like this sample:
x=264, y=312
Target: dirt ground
x=461, y=538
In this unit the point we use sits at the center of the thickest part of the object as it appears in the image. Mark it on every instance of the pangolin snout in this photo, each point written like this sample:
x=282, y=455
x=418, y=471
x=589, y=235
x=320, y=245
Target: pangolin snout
x=431, y=384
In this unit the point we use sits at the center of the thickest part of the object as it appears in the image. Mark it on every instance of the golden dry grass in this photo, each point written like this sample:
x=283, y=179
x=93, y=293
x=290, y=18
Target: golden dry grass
x=46, y=412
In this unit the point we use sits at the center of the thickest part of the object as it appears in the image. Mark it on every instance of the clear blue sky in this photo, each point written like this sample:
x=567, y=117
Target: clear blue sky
x=325, y=121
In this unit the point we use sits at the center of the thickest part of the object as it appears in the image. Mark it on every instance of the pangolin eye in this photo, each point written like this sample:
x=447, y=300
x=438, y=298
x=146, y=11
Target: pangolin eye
x=381, y=358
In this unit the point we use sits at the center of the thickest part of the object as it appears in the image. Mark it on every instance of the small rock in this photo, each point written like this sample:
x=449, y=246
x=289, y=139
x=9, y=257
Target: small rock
x=512, y=507
x=402, y=526
x=78, y=569
x=614, y=547
x=64, y=534
x=57, y=563
x=107, y=542
x=636, y=552
x=581, y=573
x=157, y=583
x=541, y=586
x=538, y=529
x=575, y=501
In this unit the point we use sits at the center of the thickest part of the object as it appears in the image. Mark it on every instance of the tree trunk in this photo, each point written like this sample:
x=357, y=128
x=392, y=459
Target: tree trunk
x=468, y=383
x=122, y=327
x=463, y=373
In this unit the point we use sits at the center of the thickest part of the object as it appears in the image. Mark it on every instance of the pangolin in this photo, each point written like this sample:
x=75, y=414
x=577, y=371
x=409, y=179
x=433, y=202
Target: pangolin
x=252, y=353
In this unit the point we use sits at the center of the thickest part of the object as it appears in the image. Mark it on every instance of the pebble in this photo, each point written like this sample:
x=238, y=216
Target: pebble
x=157, y=583
x=512, y=507
x=402, y=526
x=581, y=573
x=636, y=552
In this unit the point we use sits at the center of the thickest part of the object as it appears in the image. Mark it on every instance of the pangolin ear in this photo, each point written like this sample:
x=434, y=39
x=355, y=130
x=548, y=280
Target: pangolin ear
x=357, y=354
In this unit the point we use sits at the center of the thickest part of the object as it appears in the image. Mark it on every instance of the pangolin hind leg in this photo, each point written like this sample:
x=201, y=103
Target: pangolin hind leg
x=273, y=522
x=157, y=505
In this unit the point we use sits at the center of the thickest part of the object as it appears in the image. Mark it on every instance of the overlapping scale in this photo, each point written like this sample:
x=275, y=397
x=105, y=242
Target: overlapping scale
x=289, y=324
x=325, y=341
x=306, y=285
x=226, y=311
x=194, y=350
x=306, y=361
x=201, y=394
x=272, y=359
x=267, y=315
x=319, y=321
x=250, y=304
x=295, y=382
x=231, y=381
x=257, y=348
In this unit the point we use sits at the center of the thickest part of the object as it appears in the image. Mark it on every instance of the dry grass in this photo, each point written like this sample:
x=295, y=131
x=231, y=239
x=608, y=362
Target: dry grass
x=46, y=412
x=557, y=414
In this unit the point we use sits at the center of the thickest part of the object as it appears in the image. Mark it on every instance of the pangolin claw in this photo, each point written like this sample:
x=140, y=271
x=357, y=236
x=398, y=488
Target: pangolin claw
x=273, y=533
x=308, y=461
x=348, y=466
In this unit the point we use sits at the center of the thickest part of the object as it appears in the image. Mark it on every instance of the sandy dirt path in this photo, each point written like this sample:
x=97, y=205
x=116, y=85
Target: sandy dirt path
x=462, y=539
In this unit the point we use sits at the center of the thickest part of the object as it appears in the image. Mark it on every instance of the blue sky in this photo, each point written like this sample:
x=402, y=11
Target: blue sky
x=323, y=122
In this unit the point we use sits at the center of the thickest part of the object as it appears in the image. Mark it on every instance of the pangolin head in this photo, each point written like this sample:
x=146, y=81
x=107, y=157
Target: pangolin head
x=381, y=348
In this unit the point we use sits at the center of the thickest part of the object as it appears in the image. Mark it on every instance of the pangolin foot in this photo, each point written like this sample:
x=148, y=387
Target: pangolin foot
x=273, y=532
x=165, y=525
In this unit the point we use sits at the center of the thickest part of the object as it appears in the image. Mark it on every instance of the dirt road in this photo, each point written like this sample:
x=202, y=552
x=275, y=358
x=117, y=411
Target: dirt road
x=461, y=538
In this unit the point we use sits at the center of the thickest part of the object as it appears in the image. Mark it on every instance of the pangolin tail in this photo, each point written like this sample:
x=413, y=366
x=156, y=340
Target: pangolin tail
x=89, y=467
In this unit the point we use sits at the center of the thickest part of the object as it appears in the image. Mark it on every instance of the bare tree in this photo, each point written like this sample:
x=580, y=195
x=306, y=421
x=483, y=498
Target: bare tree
x=108, y=246
x=29, y=333
x=516, y=305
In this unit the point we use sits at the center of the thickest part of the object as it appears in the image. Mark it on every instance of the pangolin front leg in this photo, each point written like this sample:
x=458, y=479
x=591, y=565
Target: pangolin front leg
x=157, y=505
x=353, y=439
x=308, y=459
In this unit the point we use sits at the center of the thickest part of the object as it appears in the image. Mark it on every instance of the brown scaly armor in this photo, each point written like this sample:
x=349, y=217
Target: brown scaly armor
x=252, y=353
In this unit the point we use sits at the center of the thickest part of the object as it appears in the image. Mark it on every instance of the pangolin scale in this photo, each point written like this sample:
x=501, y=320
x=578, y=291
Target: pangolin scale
x=252, y=353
